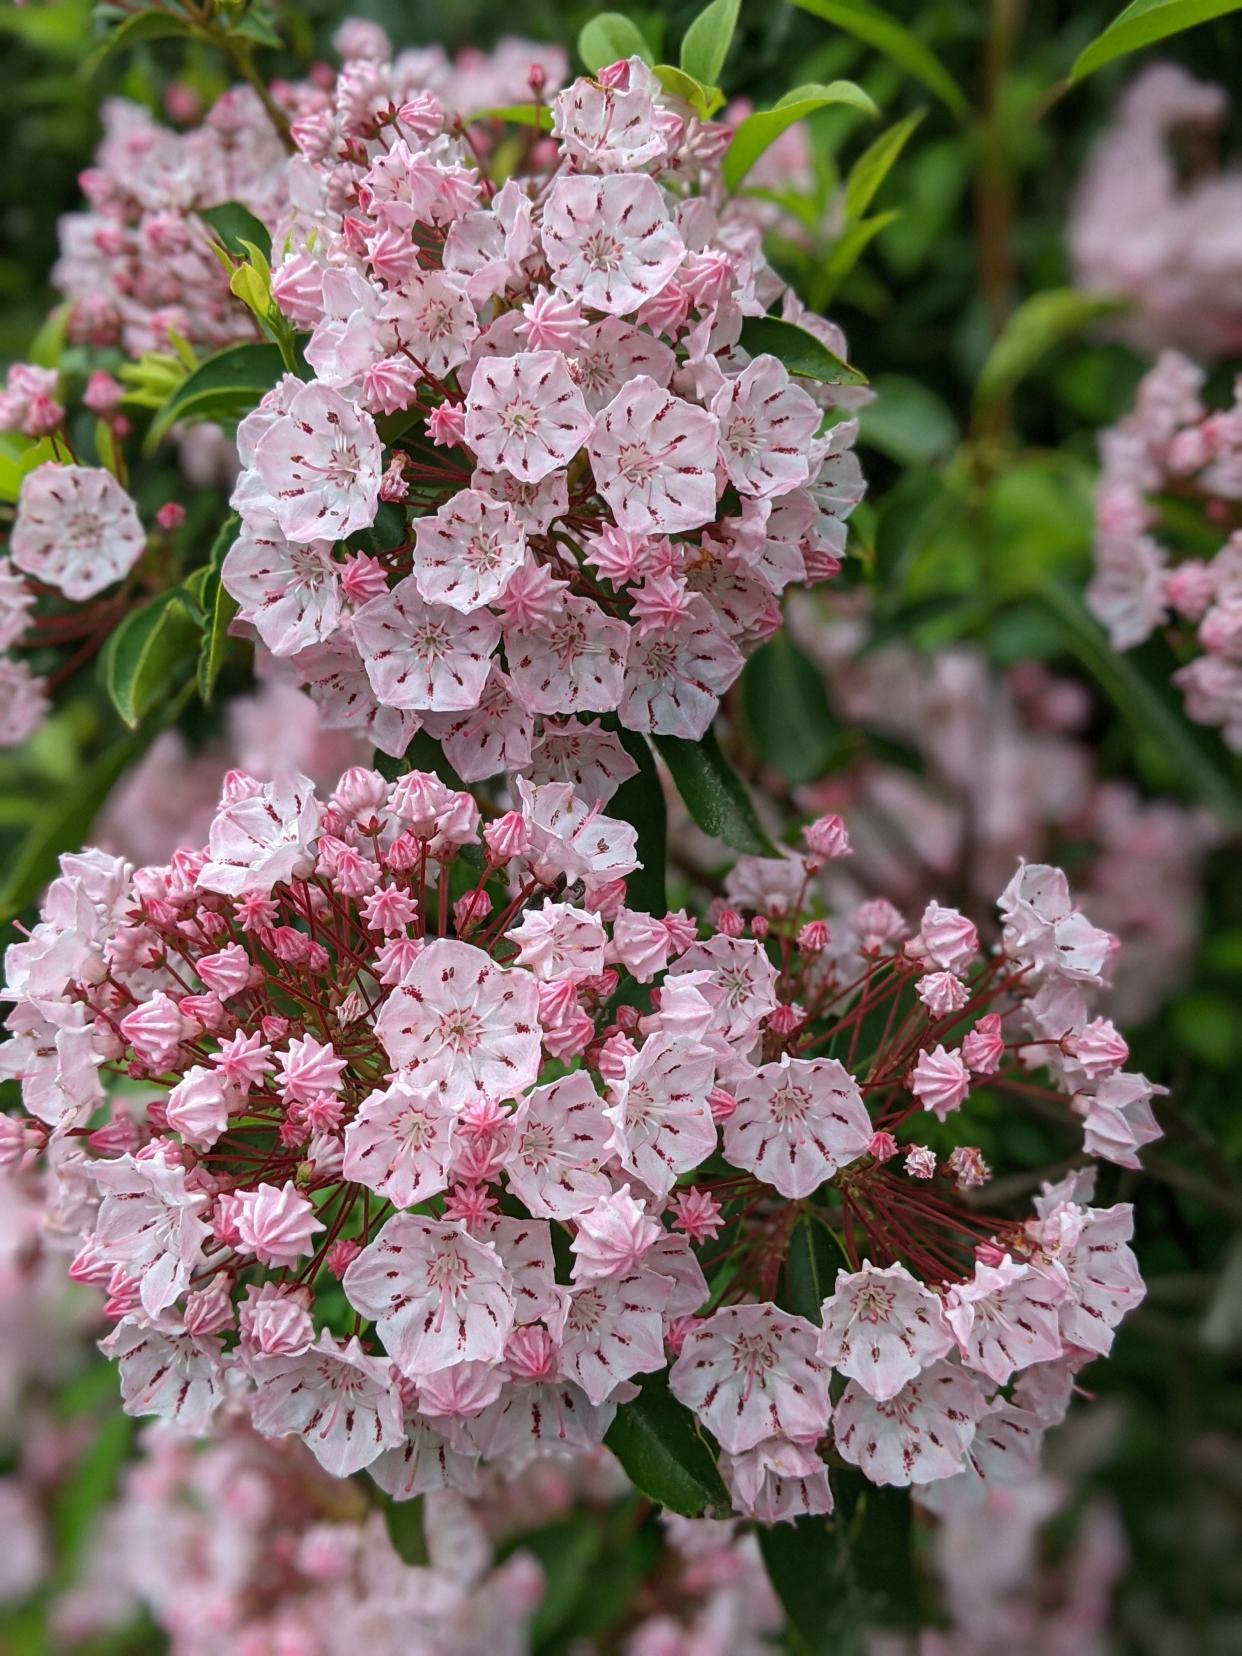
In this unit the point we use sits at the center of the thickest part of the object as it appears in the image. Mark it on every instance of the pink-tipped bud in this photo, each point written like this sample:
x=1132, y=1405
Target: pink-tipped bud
x=729, y=922
x=814, y=937
x=506, y=837
x=826, y=838
x=722, y=1104
x=171, y=515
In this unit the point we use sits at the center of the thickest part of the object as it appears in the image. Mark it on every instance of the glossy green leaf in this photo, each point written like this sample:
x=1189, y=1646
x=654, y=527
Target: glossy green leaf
x=224, y=387
x=849, y=249
x=810, y=1269
x=1040, y=323
x=139, y=29
x=787, y=711
x=640, y=801
x=658, y=1442
x=235, y=226
x=704, y=100
x=1152, y=714
x=218, y=610
x=18, y=456
x=1143, y=24
x=801, y=352
x=754, y=134
x=874, y=164
x=706, y=42
x=896, y=42
x=714, y=793
x=808, y=1566
x=143, y=657
x=610, y=37
x=404, y=1522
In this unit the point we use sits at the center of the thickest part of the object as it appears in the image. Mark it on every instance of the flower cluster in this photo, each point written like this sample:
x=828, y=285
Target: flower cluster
x=565, y=486
x=1005, y=772
x=1154, y=216
x=1171, y=449
x=246, y=1545
x=137, y=266
x=422, y=1145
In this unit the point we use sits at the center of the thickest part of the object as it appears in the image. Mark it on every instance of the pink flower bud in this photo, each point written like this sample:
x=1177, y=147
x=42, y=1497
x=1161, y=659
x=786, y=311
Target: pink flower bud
x=940, y=1081
x=446, y=425
x=613, y=1236
x=275, y=1224
x=170, y=516
x=729, y=922
x=827, y=837
x=228, y=972
x=814, y=937
x=883, y=1146
x=209, y=1310
x=984, y=1048
x=341, y=1255
x=920, y=1162
x=759, y=927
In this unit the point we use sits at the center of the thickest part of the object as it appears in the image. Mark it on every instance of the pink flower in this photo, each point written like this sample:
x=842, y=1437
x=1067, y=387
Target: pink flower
x=1088, y=1248
x=276, y=1322
x=342, y=1404
x=76, y=529
x=675, y=676
x=751, y=1372
x=462, y=1027
x=262, y=838
x=1005, y=1319
x=436, y=1296
x=740, y=986
x=320, y=462
x=275, y=1224
x=291, y=593
x=613, y=1329
x=560, y=942
x=150, y=1225
x=881, y=1328
x=424, y=657
x=796, y=1123
x=560, y=1144
x=465, y=554
x=400, y=1144
x=612, y=1236
x=778, y=1481
x=919, y=1435
x=524, y=415
x=767, y=424
x=654, y=459
x=661, y=1122
x=940, y=1081
x=696, y=1213
x=178, y=1377
x=610, y=241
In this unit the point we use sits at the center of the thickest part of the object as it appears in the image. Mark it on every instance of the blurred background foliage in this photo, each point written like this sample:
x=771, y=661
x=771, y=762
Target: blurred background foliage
x=977, y=526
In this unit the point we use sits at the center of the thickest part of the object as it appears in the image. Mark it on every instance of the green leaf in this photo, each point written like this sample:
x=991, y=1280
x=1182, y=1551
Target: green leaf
x=849, y=249
x=91, y=1484
x=659, y=1444
x=706, y=42
x=610, y=37
x=19, y=456
x=63, y=825
x=235, y=226
x=874, y=164
x=141, y=659
x=1144, y=23
x=808, y=1566
x=714, y=793
x=704, y=100
x=137, y=30
x=905, y=524
x=809, y=1270
x=566, y=1551
x=1144, y=706
x=224, y=387
x=754, y=134
x=799, y=350
x=640, y=801
x=896, y=42
x=787, y=711
x=1041, y=322
x=907, y=421
x=219, y=609
x=516, y=115
x=404, y=1522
